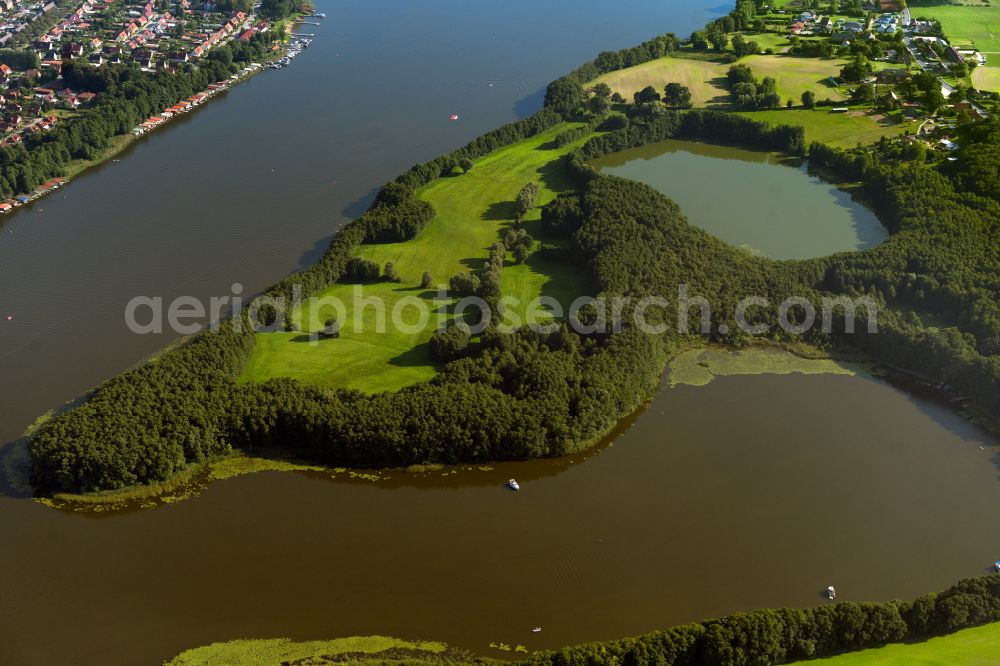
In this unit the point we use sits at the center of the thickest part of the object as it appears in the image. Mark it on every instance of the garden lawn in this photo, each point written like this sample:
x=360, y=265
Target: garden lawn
x=472, y=210
x=978, y=646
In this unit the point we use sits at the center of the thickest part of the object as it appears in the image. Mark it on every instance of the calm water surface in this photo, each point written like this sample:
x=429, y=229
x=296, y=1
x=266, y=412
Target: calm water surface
x=751, y=199
x=751, y=491
x=736, y=495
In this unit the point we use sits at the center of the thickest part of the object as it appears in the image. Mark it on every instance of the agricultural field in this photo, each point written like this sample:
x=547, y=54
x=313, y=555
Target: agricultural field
x=707, y=79
x=966, y=25
x=972, y=25
x=978, y=646
x=472, y=211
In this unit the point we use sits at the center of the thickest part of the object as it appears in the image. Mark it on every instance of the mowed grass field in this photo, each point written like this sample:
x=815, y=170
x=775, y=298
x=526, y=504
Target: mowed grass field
x=978, y=646
x=707, y=80
x=967, y=25
x=472, y=210
x=987, y=78
x=841, y=130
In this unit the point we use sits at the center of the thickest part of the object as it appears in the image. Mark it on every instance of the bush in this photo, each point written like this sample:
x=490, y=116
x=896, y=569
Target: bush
x=449, y=344
x=361, y=271
x=389, y=273
x=466, y=284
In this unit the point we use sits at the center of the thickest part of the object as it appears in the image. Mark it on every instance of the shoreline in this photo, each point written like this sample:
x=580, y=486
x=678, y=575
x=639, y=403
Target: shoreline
x=122, y=142
x=196, y=478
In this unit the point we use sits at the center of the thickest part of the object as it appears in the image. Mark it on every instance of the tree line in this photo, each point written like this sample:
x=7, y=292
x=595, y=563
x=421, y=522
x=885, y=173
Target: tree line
x=781, y=636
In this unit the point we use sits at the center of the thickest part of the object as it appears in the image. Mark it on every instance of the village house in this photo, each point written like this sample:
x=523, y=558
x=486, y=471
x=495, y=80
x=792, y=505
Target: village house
x=895, y=75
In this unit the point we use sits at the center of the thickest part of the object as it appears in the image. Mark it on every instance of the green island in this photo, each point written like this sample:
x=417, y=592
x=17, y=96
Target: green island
x=519, y=213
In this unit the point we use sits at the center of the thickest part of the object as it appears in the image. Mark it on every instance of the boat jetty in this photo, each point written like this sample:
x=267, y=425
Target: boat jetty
x=296, y=45
x=196, y=100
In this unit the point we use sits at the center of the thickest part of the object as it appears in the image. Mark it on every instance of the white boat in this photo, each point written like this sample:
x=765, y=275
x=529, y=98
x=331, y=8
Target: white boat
x=536, y=630
x=831, y=593
x=513, y=484
x=996, y=564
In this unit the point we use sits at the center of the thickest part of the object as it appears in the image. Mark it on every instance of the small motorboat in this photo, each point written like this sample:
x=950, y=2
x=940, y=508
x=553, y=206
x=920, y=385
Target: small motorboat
x=454, y=116
x=831, y=593
x=996, y=565
x=536, y=630
x=513, y=484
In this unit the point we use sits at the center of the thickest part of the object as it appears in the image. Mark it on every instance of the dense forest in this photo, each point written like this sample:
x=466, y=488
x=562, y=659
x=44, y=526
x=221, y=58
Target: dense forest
x=530, y=394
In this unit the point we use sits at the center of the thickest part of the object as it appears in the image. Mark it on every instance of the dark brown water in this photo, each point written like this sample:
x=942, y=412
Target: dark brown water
x=753, y=491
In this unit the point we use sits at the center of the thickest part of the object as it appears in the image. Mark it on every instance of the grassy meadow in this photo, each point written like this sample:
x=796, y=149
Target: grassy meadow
x=978, y=646
x=707, y=79
x=472, y=211
x=841, y=130
x=966, y=25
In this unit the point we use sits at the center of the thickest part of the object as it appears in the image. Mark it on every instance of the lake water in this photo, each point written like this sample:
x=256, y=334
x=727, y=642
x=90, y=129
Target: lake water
x=751, y=491
x=751, y=199
x=734, y=495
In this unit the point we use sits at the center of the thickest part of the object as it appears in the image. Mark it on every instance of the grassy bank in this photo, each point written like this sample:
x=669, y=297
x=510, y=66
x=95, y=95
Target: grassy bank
x=184, y=485
x=978, y=646
x=274, y=652
x=472, y=211
x=699, y=367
